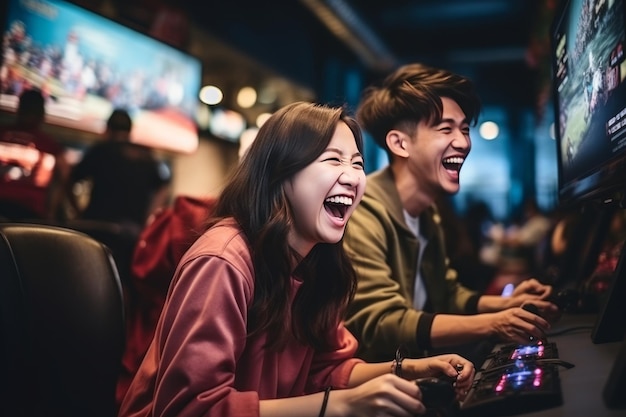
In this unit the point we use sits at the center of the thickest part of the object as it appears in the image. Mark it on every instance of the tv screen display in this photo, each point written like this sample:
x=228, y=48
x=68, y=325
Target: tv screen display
x=589, y=67
x=87, y=65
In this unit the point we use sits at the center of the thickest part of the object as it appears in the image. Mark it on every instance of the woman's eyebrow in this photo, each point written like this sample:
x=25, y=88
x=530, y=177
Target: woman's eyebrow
x=337, y=150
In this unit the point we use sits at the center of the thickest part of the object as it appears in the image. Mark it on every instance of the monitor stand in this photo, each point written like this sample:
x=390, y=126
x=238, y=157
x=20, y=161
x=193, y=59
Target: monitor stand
x=610, y=325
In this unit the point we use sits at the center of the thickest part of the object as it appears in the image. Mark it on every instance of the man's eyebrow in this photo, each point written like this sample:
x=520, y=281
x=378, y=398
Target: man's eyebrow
x=453, y=121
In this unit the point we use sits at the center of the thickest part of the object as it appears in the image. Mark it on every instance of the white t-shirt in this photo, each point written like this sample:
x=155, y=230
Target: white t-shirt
x=419, y=293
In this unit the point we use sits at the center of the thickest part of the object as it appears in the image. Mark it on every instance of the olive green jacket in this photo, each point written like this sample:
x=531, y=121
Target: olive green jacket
x=384, y=253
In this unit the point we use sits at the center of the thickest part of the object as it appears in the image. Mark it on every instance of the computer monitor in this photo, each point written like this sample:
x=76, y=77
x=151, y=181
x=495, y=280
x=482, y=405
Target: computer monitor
x=87, y=65
x=589, y=96
x=589, y=70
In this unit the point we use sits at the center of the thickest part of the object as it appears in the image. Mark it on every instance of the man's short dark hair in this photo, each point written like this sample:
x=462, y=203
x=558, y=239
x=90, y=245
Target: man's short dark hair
x=119, y=121
x=32, y=103
x=412, y=94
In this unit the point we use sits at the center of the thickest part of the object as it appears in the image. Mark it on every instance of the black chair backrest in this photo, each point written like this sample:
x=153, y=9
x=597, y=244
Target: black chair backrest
x=120, y=238
x=62, y=323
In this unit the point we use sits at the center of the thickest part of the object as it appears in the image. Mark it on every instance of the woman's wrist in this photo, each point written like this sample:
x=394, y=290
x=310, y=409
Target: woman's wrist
x=396, y=364
x=325, y=401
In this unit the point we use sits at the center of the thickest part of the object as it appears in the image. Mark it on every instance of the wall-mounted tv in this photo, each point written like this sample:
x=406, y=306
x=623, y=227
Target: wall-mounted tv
x=589, y=69
x=86, y=65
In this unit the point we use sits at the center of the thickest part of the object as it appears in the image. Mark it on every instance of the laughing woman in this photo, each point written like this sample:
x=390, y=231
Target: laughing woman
x=252, y=325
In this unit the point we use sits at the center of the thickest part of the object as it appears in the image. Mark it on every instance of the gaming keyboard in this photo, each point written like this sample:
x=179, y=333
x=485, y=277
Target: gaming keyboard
x=516, y=379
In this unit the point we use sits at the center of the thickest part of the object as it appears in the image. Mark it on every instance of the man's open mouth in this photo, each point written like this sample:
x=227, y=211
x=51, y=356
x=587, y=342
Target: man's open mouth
x=453, y=163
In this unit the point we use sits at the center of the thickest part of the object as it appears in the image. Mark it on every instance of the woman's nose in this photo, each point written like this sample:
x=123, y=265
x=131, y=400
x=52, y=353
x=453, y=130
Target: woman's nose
x=350, y=176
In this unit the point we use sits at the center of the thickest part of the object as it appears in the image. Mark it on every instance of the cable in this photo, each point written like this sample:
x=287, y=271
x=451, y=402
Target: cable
x=553, y=361
x=568, y=329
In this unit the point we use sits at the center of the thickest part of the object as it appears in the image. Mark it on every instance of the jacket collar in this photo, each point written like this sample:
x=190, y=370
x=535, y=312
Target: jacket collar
x=381, y=186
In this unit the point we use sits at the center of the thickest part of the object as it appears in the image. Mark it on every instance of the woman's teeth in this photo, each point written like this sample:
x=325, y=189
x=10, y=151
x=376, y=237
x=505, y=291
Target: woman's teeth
x=347, y=201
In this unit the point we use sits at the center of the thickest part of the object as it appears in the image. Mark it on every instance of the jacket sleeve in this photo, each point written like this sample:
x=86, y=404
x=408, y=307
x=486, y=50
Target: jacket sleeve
x=464, y=300
x=381, y=315
x=333, y=368
x=199, y=345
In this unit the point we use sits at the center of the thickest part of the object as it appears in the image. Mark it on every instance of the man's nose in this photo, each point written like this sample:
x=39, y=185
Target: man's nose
x=462, y=140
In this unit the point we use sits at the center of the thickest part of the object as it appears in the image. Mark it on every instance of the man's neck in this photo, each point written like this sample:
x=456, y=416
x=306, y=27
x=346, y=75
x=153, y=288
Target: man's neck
x=119, y=136
x=414, y=200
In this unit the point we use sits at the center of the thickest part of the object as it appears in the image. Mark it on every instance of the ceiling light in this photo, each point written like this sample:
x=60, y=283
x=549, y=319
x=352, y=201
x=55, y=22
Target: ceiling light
x=203, y=116
x=489, y=130
x=211, y=95
x=262, y=118
x=246, y=97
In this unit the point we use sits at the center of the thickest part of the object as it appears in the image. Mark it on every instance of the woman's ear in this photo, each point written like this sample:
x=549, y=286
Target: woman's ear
x=396, y=142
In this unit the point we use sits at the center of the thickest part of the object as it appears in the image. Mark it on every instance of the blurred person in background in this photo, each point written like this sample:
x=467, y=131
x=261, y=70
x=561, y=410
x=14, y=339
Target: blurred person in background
x=519, y=246
x=127, y=181
x=463, y=246
x=33, y=168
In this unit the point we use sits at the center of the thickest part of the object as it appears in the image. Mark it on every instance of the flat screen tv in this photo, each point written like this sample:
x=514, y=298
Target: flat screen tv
x=86, y=65
x=589, y=70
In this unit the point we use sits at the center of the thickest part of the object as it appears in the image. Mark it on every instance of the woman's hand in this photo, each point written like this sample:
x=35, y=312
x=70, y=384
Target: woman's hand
x=385, y=395
x=451, y=365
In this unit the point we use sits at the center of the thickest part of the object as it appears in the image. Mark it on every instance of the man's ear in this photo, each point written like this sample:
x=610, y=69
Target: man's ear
x=396, y=142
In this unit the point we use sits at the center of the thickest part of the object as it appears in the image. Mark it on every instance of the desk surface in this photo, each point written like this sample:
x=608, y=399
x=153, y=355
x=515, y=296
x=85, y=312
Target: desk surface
x=582, y=385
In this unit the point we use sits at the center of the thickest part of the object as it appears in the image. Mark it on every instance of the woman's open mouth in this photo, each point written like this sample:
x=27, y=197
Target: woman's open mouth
x=337, y=206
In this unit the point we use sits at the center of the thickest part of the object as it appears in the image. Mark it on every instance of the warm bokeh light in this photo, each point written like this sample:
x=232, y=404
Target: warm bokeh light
x=262, y=118
x=203, y=116
x=489, y=130
x=246, y=97
x=211, y=95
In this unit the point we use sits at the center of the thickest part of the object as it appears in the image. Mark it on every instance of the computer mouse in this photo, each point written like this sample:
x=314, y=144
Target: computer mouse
x=436, y=392
x=530, y=307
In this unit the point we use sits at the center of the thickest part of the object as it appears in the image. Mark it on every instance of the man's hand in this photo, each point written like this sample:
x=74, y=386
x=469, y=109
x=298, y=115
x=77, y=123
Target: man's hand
x=532, y=291
x=518, y=325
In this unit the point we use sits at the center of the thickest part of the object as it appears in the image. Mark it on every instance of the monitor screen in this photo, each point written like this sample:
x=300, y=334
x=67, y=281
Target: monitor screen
x=87, y=65
x=589, y=68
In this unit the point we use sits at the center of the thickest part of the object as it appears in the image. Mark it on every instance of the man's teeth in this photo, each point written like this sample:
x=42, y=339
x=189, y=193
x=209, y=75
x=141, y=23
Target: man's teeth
x=455, y=160
x=347, y=201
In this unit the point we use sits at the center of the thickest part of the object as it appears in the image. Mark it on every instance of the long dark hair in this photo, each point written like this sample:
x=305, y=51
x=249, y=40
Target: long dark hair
x=294, y=137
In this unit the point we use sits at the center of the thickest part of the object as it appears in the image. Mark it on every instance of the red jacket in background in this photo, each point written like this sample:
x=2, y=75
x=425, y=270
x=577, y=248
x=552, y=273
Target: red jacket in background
x=162, y=243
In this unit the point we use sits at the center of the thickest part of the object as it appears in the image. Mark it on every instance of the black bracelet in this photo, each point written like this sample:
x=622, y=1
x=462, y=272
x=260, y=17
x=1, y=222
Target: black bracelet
x=396, y=366
x=325, y=401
